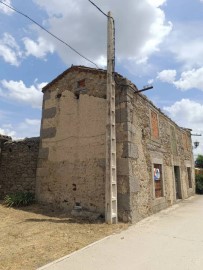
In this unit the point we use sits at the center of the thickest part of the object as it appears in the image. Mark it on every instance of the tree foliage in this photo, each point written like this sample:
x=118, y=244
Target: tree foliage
x=199, y=183
x=199, y=161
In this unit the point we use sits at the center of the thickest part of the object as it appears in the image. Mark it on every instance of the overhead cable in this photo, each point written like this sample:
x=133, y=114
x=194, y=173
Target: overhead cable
x=53, y=35
x=98, y=8
x=113, y=27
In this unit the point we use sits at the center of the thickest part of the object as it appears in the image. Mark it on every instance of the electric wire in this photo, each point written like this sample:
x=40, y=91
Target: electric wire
x=114, y=41
x=53, y=35
x=98, y=8
x=113, y=29
x=70, y=47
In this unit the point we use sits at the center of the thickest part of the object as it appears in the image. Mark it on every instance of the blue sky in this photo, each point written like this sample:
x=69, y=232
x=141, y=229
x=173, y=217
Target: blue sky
x=158, y=42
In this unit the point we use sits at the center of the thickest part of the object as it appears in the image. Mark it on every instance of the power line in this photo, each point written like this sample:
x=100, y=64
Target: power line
x=125, y=85
x=113, y=28
x=101, y=11
x=98, y=8
x=26, y=16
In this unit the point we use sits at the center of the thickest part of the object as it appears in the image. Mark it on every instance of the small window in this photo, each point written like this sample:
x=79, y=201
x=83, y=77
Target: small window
x=158, y=180
x=189, y=177
x=81, y=83
x=177, y=182
x=154, y=125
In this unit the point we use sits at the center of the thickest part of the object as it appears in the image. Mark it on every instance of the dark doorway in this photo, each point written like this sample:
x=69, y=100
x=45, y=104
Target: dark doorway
x=189, y=177
x=177, y=182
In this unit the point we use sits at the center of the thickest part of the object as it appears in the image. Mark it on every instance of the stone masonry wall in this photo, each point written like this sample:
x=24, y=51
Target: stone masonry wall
x=18, y=163
x=148, y=137
x=126, y=151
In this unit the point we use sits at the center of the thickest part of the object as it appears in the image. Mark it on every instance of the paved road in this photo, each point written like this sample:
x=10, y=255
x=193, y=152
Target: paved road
x=169, y=240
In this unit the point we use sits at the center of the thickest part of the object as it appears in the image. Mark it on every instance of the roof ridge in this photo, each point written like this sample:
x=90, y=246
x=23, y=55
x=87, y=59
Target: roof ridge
x=96, y=70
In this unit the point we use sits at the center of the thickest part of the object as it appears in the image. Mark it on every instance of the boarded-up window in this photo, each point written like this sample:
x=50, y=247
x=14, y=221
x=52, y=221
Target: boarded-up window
x=158, y=180
x=173, y=140
x=81, y=83
x=154, y=125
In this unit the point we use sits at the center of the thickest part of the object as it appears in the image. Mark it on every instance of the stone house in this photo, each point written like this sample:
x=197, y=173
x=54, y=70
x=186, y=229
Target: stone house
x=155, y=165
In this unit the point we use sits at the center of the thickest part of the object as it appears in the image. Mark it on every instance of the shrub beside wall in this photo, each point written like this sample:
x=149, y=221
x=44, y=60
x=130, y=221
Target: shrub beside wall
x=199, y=183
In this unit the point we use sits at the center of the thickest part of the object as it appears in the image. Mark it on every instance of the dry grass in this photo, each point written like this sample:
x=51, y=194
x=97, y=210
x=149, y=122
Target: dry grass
x=33, y=236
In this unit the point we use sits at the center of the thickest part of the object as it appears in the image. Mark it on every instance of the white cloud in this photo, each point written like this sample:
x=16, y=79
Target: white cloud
x=168, y=75
x=84, y=28
x=5, y=9
x=38, y=49
x=150, y=81
x=185, y=43
x=101, y=61
x=188, y=79
x=7, y=131
x=158, y=31
x=189, y=52
x=13, y=54
x=188, y=113
x=26, y=128
x=32, y=122
x=157, y=3
x=18, y=91
x=10, y=50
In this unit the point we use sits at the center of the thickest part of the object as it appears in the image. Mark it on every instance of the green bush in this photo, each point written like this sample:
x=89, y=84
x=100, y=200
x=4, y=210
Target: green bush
x=199, y=183
x=19, y=199
x=199, y=161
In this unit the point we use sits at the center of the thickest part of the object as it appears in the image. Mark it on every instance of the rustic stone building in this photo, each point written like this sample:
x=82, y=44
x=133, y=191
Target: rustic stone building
x=154, y=155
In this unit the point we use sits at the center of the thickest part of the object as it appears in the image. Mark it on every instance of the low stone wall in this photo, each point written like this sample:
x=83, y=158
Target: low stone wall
x=18, y=163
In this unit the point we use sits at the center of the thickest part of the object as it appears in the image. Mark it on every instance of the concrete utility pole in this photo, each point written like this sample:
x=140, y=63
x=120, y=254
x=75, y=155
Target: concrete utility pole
x=111, y=172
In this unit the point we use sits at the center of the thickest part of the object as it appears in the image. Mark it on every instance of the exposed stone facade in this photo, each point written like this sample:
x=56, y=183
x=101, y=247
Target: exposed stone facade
x=150, y=138
x=152, y=151
x=18, y=164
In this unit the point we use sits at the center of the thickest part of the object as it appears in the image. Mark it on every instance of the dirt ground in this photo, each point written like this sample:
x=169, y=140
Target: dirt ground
x=33, y=236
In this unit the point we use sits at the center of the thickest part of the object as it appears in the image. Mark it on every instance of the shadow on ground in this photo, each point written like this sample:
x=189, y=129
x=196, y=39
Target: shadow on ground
x=57, y=215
